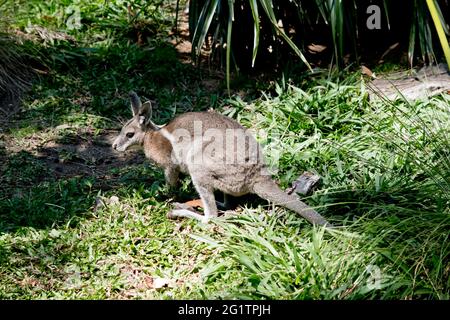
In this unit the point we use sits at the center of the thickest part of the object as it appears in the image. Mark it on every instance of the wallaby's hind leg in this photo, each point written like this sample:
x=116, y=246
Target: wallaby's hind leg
x=209, y=202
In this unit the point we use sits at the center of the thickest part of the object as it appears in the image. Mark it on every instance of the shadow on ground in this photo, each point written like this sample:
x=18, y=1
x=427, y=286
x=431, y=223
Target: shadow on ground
x=51, y=180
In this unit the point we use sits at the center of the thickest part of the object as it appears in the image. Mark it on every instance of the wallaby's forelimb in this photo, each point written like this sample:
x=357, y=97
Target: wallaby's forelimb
x=269, y=190
x=171, y=174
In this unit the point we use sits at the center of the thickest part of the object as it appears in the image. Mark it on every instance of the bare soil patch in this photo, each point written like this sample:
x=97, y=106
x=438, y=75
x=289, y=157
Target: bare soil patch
x=79, y=152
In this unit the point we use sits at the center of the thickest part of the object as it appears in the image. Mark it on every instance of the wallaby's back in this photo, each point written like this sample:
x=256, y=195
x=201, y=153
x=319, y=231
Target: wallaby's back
x=209, y=120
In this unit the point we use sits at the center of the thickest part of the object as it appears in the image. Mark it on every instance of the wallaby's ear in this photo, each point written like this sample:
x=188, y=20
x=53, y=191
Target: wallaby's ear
x=135, y=103
x=145, y=114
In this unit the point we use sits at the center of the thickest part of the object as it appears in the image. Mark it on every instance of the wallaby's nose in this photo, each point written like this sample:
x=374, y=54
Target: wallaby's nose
x=114, y=146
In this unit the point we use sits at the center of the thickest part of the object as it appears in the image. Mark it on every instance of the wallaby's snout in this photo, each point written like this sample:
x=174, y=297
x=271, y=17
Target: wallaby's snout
x=114, y=145
x=133, y=132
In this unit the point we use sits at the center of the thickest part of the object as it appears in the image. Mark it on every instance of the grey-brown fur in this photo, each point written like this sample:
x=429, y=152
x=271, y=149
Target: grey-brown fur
x=213, y=164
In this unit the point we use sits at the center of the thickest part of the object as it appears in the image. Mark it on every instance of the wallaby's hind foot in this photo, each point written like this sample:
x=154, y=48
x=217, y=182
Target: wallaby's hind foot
x=182, y=210
x=185, y=213
x=269, y=190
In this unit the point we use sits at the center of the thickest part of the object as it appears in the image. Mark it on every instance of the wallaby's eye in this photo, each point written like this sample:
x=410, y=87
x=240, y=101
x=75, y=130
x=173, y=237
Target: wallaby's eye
x=130, y=135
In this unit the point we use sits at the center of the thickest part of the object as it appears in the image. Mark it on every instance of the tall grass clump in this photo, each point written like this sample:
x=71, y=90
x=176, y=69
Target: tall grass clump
x=15, y=72
x=385, y=185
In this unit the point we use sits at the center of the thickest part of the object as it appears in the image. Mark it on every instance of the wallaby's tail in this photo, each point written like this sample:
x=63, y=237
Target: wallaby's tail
x=268, y=189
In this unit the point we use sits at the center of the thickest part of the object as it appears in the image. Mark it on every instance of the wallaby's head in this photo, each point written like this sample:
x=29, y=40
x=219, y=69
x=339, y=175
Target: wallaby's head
x=133, y=132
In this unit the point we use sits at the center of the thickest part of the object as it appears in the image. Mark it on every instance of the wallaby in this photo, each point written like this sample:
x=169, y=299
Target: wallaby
x=216, y=151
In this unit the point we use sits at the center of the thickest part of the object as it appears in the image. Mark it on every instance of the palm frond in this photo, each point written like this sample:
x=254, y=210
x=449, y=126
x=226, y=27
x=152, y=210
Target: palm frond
x=342, y=20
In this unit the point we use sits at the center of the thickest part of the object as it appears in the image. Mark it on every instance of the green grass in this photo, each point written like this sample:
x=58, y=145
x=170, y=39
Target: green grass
x=384, y=168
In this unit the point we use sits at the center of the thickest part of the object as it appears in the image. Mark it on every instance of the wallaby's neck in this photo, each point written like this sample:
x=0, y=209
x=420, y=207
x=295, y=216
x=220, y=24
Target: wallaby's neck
x=157, y=147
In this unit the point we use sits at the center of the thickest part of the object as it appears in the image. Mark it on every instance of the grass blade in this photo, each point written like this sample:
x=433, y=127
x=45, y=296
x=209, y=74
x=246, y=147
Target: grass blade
x=412, y=44
x=255, y=14
x=268, y=8
x=202, y=27
x=229, y=33
x=438, y=23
